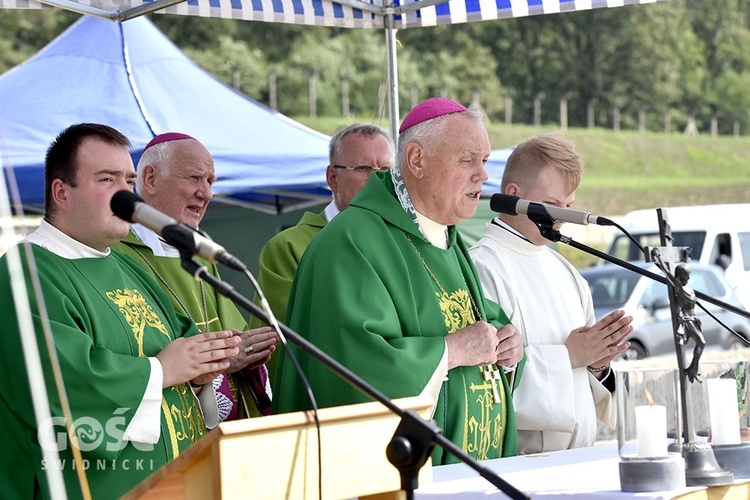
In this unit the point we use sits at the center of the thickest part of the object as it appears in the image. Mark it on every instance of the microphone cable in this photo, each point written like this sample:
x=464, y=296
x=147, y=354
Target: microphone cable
x=275, y=324
x=631, y=238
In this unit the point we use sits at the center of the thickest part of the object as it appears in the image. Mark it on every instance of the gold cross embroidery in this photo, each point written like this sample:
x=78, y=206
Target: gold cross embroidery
x=201, y=324
x=490, y=375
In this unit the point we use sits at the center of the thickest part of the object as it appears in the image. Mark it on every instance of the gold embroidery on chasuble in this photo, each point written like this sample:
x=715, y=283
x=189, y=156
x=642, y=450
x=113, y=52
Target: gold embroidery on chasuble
x=183, y=419
x=489, y=430
x=486, y=433
x=138, y=314
x=456, y=309
x=205, y=325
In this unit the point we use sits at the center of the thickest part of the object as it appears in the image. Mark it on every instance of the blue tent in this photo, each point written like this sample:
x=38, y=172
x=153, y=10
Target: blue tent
x=130, y=76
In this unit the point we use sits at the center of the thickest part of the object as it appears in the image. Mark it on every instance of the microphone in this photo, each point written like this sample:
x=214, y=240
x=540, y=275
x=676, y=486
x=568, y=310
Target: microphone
x=513, y=205
x=131, y=207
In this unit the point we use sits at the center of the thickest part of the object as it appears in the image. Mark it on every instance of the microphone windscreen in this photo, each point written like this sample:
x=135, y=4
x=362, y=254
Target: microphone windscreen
x=123, y=204
x=504, y=203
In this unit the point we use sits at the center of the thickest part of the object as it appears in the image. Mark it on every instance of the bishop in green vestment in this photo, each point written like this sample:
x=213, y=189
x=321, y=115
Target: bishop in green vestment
x=388, y=289
x=211, y=312
x=372, y=305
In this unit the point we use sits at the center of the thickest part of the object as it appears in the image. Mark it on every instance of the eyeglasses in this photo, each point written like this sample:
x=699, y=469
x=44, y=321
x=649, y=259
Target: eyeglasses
x=364, y=169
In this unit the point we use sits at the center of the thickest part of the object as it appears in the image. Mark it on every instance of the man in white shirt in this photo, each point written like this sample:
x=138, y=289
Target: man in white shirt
x=561, y=394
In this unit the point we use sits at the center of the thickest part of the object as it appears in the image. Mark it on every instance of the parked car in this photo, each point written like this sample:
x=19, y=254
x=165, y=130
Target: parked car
x=716, y=234
x=614, y=287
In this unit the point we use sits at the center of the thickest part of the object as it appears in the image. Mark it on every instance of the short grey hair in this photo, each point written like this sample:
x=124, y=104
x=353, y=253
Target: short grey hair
x=334, y=147
x=428, y=134
x=158, y=156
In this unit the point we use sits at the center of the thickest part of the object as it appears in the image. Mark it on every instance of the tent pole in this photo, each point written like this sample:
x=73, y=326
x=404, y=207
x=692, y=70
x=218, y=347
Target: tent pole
x=390, y=50
x=30, y=348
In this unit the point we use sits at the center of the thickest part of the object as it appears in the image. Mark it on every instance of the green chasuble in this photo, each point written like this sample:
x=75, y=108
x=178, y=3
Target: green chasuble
x=363, y=295
x=106, y=316
x=211, y=311
x=279, y=259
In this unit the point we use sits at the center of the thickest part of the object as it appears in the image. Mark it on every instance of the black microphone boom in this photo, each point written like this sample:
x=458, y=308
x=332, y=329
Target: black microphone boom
x=513, y=205
x=131, y=207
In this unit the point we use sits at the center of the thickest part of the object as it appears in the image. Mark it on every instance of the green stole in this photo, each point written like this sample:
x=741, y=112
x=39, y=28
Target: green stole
x=210, y=311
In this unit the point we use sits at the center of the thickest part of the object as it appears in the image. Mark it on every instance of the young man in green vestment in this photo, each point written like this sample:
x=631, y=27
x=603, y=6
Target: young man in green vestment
x=388, y=289
x=131, y=367
x=354, y=153
x=175, y=174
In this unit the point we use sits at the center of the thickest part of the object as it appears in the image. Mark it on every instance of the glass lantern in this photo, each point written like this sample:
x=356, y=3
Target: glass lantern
x=721, y=412
x=649, y=425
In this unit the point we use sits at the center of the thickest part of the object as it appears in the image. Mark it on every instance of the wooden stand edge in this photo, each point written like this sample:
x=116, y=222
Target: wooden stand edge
x=277, y=457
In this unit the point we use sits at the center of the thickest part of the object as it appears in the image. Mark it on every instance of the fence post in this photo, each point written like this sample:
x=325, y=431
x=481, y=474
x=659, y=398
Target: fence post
x=590, y=108
x=641, y=120
x=312, y=93
x=345, y=111
x=272, y=99
x=538, y=108
x=508, y=109
x=616, y=118
x=236, y=79
x=564, y=113
x=668, y=121
x=381, y=99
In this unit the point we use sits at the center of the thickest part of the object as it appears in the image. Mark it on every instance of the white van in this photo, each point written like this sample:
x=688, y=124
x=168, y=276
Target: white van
x=717, y=234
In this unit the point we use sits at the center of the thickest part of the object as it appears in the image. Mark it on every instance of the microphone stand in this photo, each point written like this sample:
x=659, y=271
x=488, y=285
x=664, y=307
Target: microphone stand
x=414, y=438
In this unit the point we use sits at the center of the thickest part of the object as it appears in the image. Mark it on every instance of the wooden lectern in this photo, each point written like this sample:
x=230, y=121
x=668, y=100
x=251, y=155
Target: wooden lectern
x=277, y=457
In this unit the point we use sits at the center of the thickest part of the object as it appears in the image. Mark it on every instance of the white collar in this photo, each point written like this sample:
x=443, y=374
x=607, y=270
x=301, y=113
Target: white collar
x=331, y=211
x=50, y=238
x=157, y=245
x=502, y=224
x=436, y=233
x=512, y=238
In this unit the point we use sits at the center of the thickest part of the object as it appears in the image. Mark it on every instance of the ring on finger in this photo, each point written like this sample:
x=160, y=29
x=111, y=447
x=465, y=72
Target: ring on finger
x=249, y=349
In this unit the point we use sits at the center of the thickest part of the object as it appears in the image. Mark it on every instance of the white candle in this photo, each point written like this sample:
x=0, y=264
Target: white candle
x=723, y=410
x=651, y=427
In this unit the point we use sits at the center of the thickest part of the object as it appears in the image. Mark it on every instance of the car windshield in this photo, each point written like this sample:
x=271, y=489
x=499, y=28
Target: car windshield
x=624, y=249
x=611, y=289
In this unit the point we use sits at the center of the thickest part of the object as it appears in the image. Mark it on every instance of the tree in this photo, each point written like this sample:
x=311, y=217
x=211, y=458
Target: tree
x=456, y=69
x=229, y=58
x=23, y=33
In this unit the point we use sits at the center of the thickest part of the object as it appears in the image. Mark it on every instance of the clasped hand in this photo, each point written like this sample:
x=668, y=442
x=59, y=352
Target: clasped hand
x=256, y=347
x=598, y=344
x=201, y=358
x=483, y=344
